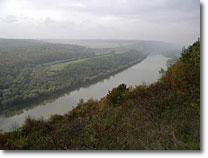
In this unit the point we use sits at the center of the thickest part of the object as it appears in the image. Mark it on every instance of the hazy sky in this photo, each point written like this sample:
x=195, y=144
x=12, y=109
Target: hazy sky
x=165, y=20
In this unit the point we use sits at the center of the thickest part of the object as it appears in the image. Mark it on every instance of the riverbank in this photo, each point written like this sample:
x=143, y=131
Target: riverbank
x=15, y=110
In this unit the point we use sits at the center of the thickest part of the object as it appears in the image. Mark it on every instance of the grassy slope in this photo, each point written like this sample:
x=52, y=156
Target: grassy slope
x=164, y=115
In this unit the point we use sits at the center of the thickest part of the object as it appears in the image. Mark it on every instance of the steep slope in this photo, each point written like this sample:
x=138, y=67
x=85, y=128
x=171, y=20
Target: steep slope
x=164, y=115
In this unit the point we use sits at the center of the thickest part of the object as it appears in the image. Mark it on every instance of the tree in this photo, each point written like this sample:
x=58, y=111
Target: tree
x=117, y=94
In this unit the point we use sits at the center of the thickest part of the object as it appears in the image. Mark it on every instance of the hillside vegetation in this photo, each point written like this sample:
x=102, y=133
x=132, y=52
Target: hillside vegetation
x=33, y=71
x=164, y=115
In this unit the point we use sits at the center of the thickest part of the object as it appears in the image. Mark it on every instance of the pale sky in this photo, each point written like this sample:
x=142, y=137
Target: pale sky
x=164, y=20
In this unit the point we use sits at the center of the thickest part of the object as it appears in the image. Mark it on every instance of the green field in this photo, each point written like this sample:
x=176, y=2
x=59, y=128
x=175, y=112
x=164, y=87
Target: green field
x=61, y=66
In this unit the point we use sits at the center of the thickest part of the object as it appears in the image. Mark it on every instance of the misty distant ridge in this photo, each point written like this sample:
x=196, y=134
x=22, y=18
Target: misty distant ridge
x=146, y=47
x=104, y=43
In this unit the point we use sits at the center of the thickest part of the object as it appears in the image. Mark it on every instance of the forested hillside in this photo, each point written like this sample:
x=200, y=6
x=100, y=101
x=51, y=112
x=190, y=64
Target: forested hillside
x=32, y=71
x=164, y=115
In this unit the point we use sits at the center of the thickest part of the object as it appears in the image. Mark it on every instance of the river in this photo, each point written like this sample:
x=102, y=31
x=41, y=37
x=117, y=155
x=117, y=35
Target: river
x=146, y=71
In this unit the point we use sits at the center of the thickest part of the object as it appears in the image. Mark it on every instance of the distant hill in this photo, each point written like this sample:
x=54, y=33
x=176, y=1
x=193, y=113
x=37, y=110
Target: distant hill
x=93, y=43
x=16, y=43
x=154, y=47
x=38, y=52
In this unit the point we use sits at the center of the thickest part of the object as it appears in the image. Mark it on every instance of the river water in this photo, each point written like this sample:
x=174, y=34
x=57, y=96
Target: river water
x=146, y=71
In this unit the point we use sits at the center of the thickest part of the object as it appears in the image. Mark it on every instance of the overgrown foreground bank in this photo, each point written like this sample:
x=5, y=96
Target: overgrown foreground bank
x=164, y=115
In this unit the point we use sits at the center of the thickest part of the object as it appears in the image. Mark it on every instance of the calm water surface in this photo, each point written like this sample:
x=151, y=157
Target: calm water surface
x=146, y=71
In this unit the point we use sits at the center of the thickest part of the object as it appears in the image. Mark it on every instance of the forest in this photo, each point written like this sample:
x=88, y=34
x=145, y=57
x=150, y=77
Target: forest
x=32, y=71
x=163, y=115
